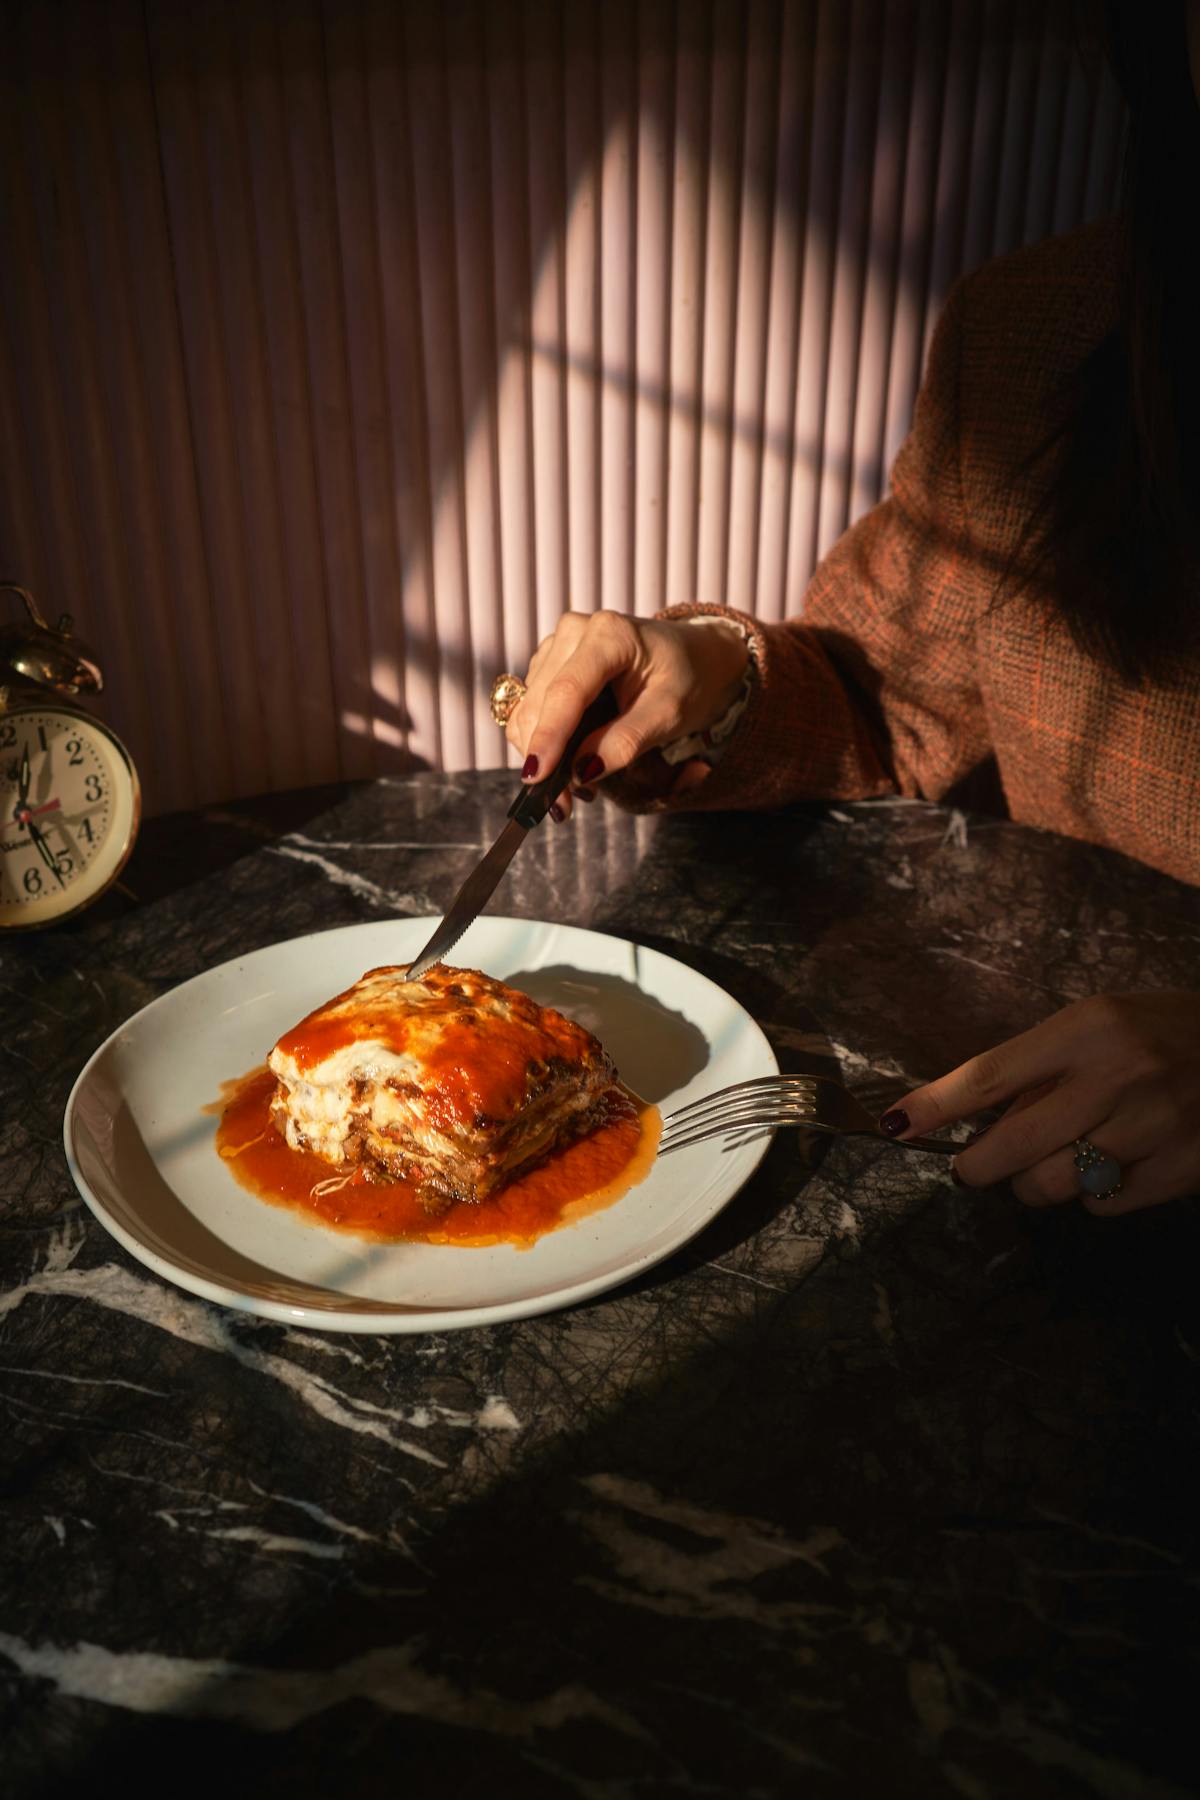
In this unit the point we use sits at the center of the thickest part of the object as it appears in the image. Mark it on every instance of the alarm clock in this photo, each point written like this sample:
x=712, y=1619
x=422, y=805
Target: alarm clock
x=70, y=799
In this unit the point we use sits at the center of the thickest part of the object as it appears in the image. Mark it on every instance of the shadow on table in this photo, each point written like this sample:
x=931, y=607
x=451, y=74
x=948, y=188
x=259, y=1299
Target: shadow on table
x=804, y=1540
x=920, y=1500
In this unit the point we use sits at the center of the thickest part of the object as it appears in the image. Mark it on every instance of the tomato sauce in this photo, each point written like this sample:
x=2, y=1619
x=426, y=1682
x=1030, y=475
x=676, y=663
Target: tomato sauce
x=583, y=1178
x=475, y=1039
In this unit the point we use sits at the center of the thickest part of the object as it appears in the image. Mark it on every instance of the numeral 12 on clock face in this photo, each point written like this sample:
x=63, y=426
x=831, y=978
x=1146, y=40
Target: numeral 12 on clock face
x=69, y=806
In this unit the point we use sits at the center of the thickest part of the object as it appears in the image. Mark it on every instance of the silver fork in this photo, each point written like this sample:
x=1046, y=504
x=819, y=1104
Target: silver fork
x=812, y=1102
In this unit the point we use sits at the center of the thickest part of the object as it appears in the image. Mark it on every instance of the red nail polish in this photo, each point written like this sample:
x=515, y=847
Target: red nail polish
x=557, y=813
x=529, y=768
x=584, y=794
x=894, y=1122
x=589, y=769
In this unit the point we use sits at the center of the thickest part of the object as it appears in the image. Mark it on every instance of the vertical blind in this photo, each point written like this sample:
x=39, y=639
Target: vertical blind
x=344, y=345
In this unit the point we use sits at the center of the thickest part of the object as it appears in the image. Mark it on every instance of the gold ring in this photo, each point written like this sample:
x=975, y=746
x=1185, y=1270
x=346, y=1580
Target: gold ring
x=507, y=690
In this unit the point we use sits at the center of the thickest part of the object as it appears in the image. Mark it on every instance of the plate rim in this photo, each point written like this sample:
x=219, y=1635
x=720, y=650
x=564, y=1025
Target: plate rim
x=382, y=1317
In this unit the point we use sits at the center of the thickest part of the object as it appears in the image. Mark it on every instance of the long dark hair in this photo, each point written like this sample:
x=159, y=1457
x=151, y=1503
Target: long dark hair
x=1117, y=536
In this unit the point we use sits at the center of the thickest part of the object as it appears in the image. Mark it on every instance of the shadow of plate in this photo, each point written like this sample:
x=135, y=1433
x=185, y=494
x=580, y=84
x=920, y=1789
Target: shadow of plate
x=145, y=1214
x=656, y=1049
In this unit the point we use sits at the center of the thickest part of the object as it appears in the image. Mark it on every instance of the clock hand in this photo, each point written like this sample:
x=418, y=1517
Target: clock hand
x=23, y=777
x=32, y=812
x=44, y=851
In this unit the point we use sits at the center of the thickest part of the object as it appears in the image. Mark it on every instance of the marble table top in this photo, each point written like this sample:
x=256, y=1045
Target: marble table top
x=875, y=1486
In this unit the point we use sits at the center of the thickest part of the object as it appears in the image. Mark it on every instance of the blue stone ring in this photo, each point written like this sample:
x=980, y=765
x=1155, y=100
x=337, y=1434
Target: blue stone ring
x=1098, y=1174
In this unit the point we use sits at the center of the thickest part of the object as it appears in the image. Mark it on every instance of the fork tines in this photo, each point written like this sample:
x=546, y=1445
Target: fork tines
x=772, y=1100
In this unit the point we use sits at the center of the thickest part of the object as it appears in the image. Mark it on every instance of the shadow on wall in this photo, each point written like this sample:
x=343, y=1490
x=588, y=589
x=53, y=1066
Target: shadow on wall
x=350, y=344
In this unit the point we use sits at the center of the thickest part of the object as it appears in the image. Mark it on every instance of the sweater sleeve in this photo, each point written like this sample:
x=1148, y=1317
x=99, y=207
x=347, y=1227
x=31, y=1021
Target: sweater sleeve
x=874, y=690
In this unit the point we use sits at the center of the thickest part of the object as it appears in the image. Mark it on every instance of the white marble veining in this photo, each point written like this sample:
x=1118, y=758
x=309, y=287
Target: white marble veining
x=196, y=1322
x=716, y=1581
x=410, y=904
x=432, y=845
x=136, y=1387
x=279, y=1699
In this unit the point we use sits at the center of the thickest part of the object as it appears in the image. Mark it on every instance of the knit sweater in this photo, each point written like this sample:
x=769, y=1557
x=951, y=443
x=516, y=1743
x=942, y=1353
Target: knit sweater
x=913, y=663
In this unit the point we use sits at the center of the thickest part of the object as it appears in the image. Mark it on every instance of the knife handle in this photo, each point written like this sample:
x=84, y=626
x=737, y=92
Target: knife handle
x=533, y=803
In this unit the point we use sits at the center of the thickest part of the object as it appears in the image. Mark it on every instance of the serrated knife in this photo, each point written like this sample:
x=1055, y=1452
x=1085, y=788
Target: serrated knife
x=527, y=810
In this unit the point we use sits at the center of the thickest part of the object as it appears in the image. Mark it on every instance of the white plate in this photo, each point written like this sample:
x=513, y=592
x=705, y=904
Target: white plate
x=141, y=1148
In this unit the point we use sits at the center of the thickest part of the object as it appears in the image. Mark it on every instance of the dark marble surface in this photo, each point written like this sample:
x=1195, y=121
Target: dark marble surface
x=876, y=1486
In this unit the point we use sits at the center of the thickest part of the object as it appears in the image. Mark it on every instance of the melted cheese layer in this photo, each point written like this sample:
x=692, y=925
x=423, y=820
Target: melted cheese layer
x=454, y=1080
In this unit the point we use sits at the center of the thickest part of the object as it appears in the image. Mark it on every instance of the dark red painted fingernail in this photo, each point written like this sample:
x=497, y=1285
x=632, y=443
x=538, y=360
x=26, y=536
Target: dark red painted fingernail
x=976, y=1135
x=584, y=794
x=529, y=768
x=557, y=813
x=589, y=769
x=894, y=1122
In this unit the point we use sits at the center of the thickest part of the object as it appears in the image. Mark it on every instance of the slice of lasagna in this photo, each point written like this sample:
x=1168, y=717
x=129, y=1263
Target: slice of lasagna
x=454, y=1083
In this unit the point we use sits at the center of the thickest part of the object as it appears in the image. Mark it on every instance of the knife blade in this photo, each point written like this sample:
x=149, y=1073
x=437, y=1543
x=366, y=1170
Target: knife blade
x=527, y=811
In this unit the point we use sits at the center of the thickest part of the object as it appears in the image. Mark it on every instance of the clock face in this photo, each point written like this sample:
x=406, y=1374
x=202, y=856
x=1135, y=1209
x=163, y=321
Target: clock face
x=69, y=805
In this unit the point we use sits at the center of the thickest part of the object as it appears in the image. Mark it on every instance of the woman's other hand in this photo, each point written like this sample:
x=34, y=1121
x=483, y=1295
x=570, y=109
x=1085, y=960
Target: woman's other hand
x=670, y=677
x=1120, y=1070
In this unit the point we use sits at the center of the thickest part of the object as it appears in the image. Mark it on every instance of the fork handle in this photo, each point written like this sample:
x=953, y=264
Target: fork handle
x=938, y=1146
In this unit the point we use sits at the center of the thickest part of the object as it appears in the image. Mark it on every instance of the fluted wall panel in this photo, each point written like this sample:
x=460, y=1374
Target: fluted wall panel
x=345, y=343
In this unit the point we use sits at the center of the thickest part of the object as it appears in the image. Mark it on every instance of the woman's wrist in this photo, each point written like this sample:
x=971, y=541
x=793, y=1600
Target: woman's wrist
x=730, y=675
